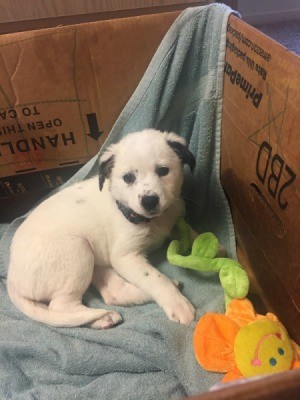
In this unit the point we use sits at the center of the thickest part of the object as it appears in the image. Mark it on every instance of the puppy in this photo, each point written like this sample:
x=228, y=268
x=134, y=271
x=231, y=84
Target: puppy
x=83, y=235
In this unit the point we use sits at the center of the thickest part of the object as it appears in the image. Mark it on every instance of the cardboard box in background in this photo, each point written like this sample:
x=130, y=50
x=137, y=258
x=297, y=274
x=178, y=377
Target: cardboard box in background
x=61, y=90
x=261, y=162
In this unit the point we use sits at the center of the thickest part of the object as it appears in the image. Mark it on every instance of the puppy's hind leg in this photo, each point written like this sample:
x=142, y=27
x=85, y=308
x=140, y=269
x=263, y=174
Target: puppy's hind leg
x=59, y=271
x=103, y=319
x=69, y=298
x=115, y=290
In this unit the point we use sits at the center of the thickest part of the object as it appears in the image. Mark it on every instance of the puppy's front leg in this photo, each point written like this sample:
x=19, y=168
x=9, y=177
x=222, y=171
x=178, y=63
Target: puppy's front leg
x=137, y=270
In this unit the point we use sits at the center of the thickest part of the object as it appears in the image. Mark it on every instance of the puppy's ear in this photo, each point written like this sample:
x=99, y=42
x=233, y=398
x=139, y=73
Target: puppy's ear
x=178, y=145
x=106, y=164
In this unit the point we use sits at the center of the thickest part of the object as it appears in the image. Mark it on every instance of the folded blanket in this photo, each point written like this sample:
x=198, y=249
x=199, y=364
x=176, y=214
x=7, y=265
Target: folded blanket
x=147, y=356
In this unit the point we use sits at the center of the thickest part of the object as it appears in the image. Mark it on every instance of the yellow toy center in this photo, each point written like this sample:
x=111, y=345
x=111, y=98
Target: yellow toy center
x=262, y=347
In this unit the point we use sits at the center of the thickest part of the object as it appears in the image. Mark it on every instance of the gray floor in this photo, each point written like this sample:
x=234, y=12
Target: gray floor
x=285, y=33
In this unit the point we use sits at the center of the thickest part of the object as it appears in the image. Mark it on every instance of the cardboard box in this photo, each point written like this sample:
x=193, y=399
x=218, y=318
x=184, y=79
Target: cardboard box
x=57, y=109
x=260, y=164
x=52, y=120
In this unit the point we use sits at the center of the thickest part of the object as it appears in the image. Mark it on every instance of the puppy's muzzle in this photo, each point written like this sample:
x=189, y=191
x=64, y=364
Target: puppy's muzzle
x=149, y=203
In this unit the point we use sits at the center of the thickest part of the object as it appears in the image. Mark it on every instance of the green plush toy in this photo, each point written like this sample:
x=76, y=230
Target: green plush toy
x=233, y=278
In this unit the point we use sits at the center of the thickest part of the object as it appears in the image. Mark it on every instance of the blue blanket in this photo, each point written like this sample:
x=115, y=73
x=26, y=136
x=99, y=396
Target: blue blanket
x=147, y=356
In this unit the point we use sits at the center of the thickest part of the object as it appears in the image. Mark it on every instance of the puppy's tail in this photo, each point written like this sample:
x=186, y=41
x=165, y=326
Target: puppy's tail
x=42, y=313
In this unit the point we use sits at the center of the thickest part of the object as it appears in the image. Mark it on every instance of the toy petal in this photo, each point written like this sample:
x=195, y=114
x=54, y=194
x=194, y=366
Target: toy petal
x=214, y=337
x=232, y=375
x=272, y=317
x=296, y=348
x=241, y=312
x=295, y=365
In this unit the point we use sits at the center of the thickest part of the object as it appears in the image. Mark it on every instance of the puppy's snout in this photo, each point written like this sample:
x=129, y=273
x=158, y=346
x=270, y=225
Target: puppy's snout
x=150, y=202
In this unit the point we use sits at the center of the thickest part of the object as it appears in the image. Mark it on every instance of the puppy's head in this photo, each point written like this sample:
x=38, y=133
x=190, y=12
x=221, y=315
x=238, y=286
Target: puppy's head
x=145, y=170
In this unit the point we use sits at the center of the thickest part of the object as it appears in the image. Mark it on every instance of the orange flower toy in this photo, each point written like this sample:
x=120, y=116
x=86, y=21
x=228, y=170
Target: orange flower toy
x=242, y=343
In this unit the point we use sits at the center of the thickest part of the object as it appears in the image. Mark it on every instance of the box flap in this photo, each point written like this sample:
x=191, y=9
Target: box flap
x=61, y=91
x=260, y=162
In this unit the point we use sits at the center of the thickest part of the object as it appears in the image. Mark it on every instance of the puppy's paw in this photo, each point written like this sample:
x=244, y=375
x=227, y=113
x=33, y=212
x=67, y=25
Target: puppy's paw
x=180, y=310
x=108, y=321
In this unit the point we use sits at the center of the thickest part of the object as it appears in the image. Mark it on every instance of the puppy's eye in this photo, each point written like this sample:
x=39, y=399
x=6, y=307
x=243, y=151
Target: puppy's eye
x=162, y=171
x=129, y=178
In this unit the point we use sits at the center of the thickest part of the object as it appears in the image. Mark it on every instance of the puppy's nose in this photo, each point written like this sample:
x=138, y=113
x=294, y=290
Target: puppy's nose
x=150, y=202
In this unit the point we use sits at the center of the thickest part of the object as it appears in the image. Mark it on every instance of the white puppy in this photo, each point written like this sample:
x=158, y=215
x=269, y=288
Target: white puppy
x=83, y=235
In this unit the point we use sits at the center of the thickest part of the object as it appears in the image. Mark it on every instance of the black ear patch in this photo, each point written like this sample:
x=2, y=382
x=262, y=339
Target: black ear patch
x=183, y=153
x=105, y=169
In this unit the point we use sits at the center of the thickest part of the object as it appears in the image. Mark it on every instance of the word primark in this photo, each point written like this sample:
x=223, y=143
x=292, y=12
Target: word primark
x=237, y=79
